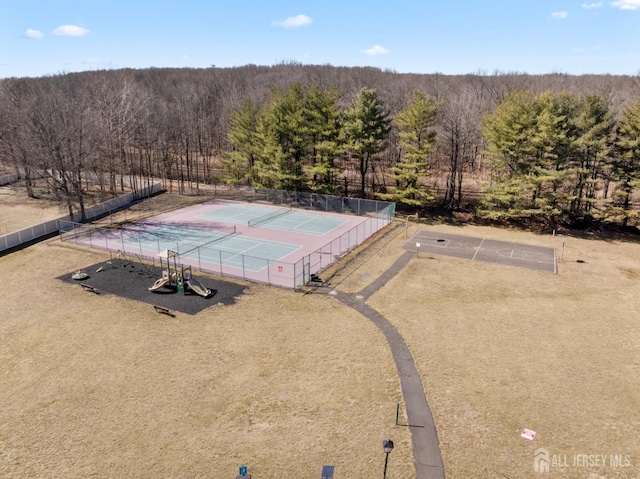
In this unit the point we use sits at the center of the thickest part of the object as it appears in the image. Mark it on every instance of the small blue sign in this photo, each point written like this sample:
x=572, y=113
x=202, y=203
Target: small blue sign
x=243, y=470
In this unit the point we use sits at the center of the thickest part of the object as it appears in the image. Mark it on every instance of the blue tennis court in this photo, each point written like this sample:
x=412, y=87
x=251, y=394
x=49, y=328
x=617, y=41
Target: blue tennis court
x=244, y=253
x=284, y=219
x=218, y=247
x=168, y=237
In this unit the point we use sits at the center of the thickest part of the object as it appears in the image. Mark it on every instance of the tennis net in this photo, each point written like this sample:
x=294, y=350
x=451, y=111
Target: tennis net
x=269, y=216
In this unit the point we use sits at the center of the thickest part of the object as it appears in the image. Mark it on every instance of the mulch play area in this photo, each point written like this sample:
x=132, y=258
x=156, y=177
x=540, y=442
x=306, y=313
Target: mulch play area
x=131, y=279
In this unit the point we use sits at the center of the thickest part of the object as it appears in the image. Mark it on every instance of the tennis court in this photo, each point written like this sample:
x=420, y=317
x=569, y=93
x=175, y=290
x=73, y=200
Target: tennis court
x=286, y=219
x=230, y=249
x=277, y=245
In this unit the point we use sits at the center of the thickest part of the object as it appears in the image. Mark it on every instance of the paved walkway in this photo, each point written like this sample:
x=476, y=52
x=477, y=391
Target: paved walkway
x=426, y=446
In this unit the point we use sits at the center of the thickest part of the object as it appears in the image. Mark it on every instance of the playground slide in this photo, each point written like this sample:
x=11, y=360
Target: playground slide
x=198, y=288
x=159, y=284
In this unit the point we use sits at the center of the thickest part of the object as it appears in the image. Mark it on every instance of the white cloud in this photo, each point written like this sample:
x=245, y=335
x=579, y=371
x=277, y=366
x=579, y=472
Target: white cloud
x=376, y=50
x=31, y=33
x=626, y=4
x=592, y=5
x=294, y=22
x=560, y=15
x=70, y=31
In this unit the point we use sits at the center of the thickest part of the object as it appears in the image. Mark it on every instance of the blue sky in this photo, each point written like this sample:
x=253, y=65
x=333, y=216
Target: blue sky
x=41, y=37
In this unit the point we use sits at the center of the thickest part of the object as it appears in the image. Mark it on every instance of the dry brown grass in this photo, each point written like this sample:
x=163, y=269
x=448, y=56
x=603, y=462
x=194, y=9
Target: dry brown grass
x=99, y=386
x=501, y=349
x=19, y=211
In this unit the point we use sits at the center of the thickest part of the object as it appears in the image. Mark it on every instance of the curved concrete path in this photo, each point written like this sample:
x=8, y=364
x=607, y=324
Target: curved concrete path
x=424, y=436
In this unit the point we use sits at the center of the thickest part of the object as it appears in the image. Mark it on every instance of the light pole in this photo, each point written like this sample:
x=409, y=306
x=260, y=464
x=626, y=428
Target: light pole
x=387, y=445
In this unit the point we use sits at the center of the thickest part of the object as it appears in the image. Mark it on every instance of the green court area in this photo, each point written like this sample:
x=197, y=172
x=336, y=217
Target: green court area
x=283, y=218
x=276, y=244
x=221, y=247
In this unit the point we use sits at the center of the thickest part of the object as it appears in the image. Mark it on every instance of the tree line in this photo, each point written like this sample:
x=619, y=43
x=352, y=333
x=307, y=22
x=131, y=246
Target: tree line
x=554, y=148
x=562, y=158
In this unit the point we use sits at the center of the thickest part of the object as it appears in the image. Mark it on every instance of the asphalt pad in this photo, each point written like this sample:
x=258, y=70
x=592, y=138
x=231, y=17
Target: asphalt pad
x=537, y=258
x=131, y=279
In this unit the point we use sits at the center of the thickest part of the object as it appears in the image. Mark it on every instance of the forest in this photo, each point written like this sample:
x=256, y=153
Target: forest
x=554, y=150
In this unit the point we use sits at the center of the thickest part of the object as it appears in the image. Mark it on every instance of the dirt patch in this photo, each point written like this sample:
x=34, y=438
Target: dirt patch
x=628, y=272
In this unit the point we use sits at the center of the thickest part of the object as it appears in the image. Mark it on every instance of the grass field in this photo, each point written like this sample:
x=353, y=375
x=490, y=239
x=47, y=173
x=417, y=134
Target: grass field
x=501, y=349
x=99, y=386
x=19, y=211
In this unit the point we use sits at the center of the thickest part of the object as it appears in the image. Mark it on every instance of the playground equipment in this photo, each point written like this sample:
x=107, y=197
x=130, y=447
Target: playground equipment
x=163, y=310
x=132, y=259
x=78, y=275
x=181, y=280
x=169, y=278
x=194, y=285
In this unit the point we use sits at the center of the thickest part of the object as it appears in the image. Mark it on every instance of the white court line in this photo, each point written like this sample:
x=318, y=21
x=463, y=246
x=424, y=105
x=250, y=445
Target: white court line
x=300, y=225
x=224, y=250
x=246, y=214
x=296, y=225
x=230, y=261
x=245, y=252
x=478, y=248
x=257, y=245
x=226, y=216
x=524, y=255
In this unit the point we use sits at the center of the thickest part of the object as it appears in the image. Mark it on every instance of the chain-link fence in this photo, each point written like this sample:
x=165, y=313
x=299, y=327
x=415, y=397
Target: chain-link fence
x=208, y=258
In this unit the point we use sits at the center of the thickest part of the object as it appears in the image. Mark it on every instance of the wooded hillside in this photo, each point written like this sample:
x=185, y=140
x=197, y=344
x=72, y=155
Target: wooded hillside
x=555, y=148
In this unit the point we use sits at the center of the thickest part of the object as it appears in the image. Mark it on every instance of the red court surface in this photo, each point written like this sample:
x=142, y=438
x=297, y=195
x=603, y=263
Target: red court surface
x=283, y=251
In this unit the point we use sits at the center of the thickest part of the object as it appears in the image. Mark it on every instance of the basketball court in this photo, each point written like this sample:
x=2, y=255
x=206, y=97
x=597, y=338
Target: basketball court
x=537, y=258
